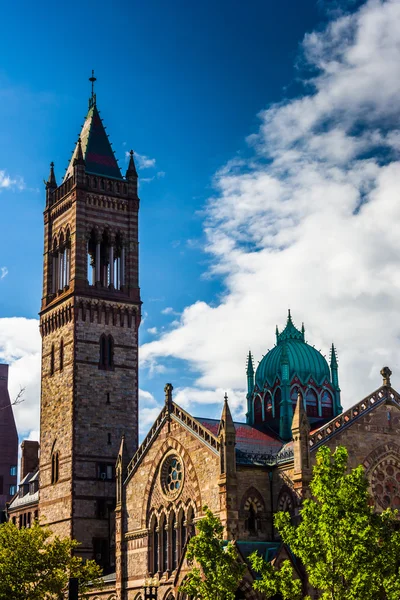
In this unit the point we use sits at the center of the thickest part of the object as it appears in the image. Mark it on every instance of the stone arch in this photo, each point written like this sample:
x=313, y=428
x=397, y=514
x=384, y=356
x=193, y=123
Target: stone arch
x=252, y=495
x=286, y=500
x=169, y=595
x=252, y=511
x=170, y=444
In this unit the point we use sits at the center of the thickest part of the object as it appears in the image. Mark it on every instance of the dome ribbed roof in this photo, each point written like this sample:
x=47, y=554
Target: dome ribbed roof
x=303, y=360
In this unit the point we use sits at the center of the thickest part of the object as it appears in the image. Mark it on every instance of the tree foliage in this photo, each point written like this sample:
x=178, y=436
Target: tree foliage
x=276, y=581
x=36, y=566
x=348, y=550
x=216, y=570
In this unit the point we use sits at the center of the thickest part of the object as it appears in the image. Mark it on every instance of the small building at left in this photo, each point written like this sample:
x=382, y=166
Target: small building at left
x=8, y=444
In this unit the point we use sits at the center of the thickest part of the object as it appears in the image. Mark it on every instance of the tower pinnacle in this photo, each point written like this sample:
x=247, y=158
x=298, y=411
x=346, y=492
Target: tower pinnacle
x=92, y=99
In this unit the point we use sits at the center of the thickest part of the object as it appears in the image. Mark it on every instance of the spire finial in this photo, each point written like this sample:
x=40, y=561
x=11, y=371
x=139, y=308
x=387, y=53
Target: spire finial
x=51, y=182
x=386, y=373
x=92, y=100
x=289, y=316
x=226, y=398
x=131, y=171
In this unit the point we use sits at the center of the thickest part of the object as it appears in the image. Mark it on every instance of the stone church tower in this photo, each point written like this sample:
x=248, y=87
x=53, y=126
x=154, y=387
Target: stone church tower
x=89, y=322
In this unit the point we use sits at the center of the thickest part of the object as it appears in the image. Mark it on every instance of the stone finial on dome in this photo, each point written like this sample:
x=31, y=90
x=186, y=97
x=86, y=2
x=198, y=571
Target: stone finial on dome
x=386, y=373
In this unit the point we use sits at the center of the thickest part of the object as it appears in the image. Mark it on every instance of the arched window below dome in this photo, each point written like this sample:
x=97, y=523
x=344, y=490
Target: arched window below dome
x=311, y=403
x=257, y=410
x=267, y=407
x=327, y=404
x=277, y=403
x=293, y=396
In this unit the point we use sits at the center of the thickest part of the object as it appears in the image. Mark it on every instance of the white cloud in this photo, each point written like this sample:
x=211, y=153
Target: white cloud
x=152, y=330
x=143, y=161
x=20, y=347
x=169, y=311
x=7, y=182
x=3, y=272
x=309, y=221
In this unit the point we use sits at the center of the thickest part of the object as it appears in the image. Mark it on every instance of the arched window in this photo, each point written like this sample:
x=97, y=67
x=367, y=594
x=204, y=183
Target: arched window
x=311, y=403
x=277, y=403
x=257, y=410
x=153, y=567
x=173, y=546
x=293, y=397
x=252, y=520
x=61, y=355
x=52, y=353
x=55, y=466
x=106, y=352
x=190, y=528
x=182, y=530
x=164, y=544
x=267, y=406
x=327, y=404
x=103, y=352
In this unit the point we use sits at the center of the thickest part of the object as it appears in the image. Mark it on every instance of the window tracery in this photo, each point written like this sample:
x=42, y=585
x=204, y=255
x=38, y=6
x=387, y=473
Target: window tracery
x=385, y=483
x=311, y=403
x=326, y=404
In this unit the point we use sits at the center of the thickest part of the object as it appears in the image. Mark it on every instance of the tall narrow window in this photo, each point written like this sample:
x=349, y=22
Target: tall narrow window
x=312, y=403
x=52, y=351
x=61, y=355
x=103, y=352
x=277, y=403
x=174, y=550
x=327, y=404
x=183, y=531
x=164, y=542
x=155, y=547
x=106, y=358
x=267, y=406
x=257, y=410
x=55, y=467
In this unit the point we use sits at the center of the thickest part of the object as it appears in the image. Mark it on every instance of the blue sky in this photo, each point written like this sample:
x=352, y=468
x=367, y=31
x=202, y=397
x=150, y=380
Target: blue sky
x=202, y=92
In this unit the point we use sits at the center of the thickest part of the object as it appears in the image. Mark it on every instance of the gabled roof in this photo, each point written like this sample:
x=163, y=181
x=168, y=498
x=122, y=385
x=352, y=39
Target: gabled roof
x=96, y=148
x=252, y=445
x=382, y=395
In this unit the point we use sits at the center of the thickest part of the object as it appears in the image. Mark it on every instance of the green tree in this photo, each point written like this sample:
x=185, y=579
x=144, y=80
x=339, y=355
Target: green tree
x=220, y=569
x=35, y=566
x=349, y=551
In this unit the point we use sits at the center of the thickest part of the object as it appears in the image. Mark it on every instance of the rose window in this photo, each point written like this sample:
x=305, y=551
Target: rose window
x=386, y=484
x=172, y=476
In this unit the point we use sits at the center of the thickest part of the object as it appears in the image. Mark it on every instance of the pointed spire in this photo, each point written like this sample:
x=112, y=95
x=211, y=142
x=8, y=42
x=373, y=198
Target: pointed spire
x=95, y=148
x=226, y=423
x=303, y=331
x=289, y=317
x=334, y=363
x=250, y=365
x=79, y=160
x=51, y=183
x=131, y=170
x=300, y=420
x=277, y=333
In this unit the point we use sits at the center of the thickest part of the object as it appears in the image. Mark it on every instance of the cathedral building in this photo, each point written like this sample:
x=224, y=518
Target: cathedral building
x=134, y=508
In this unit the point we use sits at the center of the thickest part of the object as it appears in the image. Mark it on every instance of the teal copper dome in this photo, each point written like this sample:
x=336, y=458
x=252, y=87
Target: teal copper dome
x=296, y=356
